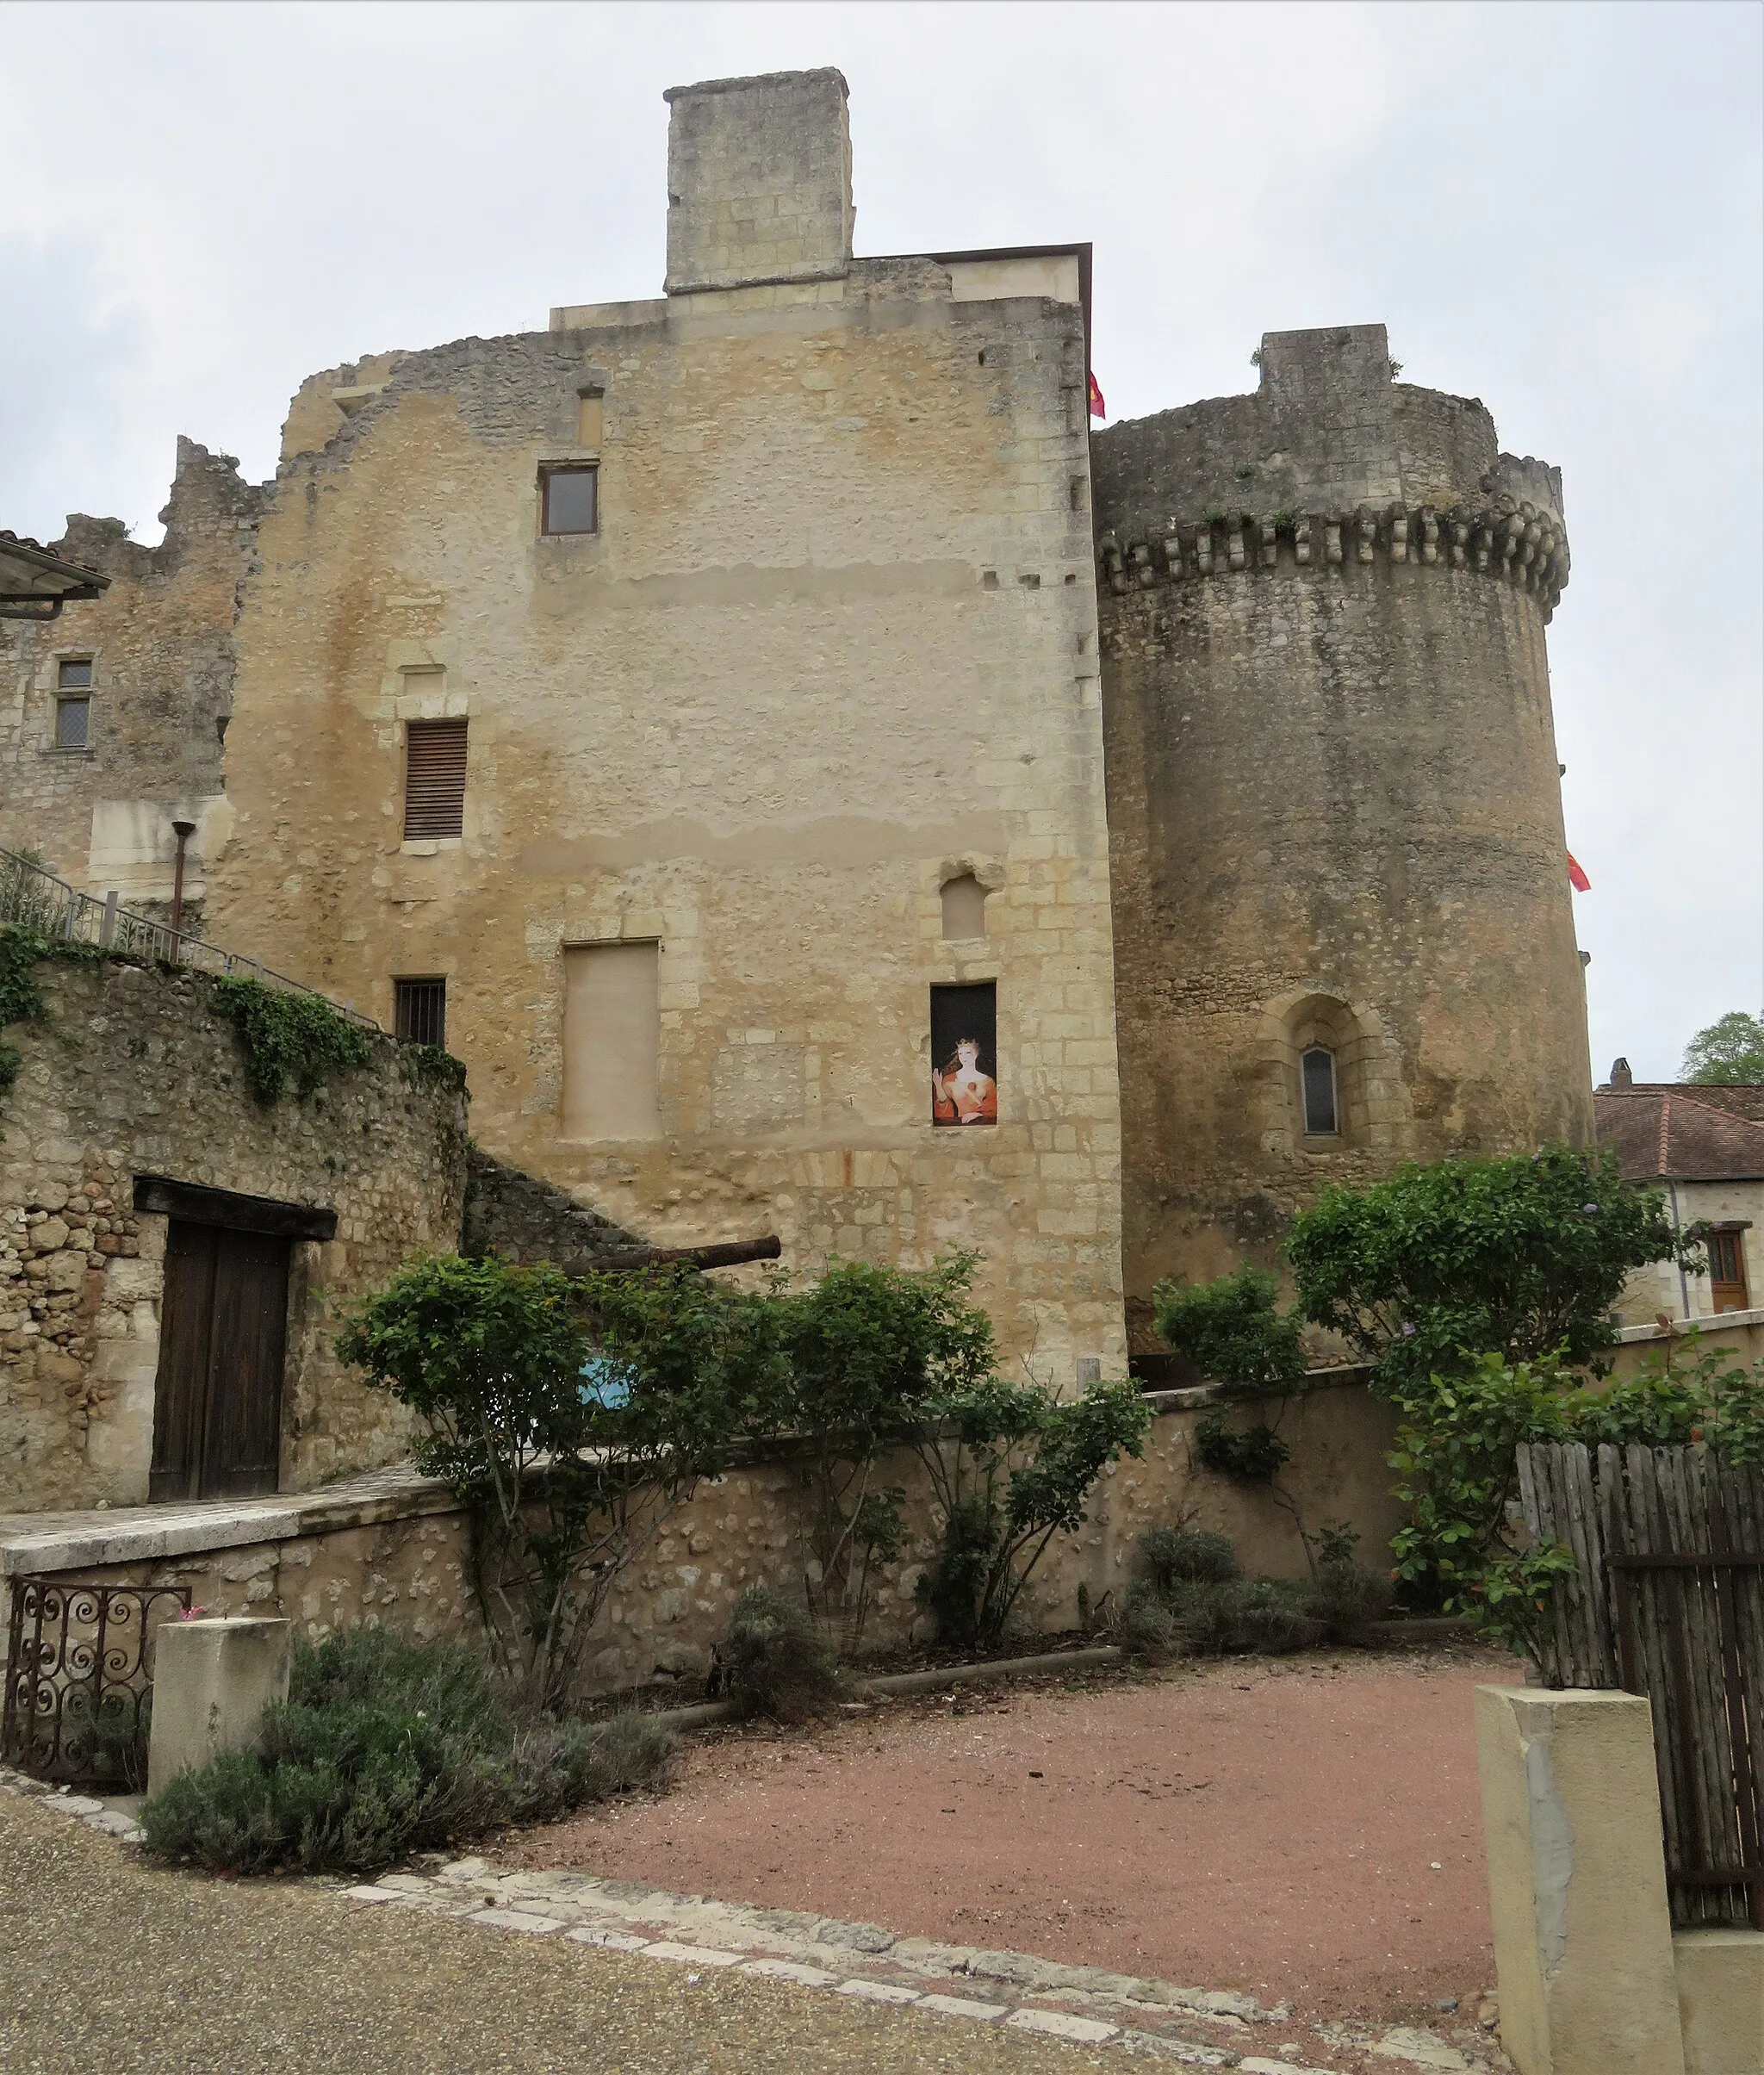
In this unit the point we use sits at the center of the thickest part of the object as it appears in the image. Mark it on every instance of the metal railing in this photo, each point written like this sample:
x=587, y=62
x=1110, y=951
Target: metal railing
x=35, y=899
x=79, y=1678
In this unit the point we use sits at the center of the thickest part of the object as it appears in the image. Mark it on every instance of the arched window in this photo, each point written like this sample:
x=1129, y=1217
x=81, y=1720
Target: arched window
x=1317, y=1081
x=963, y=908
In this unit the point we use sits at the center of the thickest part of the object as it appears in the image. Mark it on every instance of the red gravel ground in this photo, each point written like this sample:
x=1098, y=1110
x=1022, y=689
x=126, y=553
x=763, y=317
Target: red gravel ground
x=1306, y=1827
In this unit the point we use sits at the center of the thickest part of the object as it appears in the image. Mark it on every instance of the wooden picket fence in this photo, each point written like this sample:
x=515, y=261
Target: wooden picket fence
x=1667, y=1600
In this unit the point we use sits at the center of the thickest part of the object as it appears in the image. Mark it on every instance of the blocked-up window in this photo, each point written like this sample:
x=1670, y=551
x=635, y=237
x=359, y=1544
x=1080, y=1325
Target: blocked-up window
x=963, y=908
x=434, y=779
x=570, y=498
x=611, y=1041
x=421, y=1011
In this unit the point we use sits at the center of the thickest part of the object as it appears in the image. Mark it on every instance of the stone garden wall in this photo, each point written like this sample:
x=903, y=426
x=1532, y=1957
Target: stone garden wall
x=394, y=1550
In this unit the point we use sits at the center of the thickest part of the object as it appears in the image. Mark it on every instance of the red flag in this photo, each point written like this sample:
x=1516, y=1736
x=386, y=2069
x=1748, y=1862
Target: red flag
x=1098, y=408
x=1577, y=877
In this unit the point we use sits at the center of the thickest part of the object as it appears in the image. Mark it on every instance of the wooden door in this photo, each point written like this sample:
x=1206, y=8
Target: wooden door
x=217, y=1406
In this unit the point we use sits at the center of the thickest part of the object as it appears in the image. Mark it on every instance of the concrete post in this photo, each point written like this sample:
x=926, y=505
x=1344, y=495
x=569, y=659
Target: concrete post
x=212, y=1680
x=1577, y=1883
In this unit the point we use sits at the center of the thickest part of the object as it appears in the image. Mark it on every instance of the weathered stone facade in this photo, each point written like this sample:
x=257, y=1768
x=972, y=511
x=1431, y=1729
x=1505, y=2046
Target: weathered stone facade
x=809, y=719
x=1334, y=806
x=131, y=1071
x=159, y=643
x=831, y=646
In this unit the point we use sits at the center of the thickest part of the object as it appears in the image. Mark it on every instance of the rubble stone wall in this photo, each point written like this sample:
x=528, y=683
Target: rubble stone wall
x=131, y=1071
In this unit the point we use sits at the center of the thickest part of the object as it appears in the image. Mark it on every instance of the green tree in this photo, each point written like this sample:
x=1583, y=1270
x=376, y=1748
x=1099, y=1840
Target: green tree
x=1520, y=1258
x=566, y=1484
x=1729, y=1051
x=865, y=1348
x=1012, y=1467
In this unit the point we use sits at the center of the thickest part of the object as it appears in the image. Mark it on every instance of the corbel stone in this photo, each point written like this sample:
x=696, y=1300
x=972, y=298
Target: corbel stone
x=1331, y=540
x=1460, y=534
x=1268, y=552
x=1368, y=531
x=1429, y=536
x=1172, y=555
x=1203, y=549
x=1234, y=546
x=1301, y=542
x=1399, y=534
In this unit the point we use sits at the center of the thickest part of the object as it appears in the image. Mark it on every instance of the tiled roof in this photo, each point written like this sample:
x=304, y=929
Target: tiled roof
x=1674, y=1132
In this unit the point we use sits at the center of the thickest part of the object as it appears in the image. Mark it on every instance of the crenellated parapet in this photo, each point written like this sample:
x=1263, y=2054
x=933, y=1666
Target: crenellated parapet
x=1509, y=537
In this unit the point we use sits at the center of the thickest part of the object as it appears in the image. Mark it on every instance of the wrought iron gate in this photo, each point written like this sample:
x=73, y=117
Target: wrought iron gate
x=78, y=1681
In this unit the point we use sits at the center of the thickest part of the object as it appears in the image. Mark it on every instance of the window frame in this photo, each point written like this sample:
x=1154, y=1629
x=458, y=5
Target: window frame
x=414, y=728
x=1310, y=1131
x=551, y=469
x=407, y=993
x=64, y=704
x=1734, y=1233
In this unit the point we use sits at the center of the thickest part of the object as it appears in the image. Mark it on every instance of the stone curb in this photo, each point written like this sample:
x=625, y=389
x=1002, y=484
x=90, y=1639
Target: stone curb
x=705, y=1714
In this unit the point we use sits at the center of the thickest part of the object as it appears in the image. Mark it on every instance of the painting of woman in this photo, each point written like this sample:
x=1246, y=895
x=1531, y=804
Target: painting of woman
x=961, y=1092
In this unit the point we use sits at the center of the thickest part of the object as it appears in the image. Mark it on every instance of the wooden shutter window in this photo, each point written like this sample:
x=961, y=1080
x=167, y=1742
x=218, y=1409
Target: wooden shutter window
x=434, y=779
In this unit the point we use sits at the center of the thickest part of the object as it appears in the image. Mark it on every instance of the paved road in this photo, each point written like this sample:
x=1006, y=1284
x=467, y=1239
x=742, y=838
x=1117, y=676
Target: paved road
x=110, y=1964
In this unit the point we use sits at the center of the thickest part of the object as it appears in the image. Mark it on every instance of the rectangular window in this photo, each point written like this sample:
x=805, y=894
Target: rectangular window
x=1318, y=1071
x=964, y=1053
x=75, y=675
x=421, y=1011
x=434, y=779
x=1727, y=1269
x=73, y=723
x=590, y=416
x=611, y=1041
x=569, y=497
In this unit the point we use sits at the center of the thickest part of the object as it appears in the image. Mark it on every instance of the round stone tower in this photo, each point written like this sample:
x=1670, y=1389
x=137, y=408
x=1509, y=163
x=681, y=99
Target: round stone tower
x=1342, y=920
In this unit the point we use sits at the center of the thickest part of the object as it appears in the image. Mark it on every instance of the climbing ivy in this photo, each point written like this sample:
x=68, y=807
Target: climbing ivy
x=22, y=949
x=298, y=1037
x=20, y=998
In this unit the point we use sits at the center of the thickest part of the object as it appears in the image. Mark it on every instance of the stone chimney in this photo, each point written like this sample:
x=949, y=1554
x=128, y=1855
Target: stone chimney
x=1620, y=1075
x=759, y=181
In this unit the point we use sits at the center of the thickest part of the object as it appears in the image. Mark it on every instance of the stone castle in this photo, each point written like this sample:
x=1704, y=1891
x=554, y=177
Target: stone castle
x=817, y=785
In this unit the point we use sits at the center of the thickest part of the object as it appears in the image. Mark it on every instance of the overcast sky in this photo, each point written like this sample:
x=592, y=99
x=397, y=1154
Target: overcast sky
x=1556, y=208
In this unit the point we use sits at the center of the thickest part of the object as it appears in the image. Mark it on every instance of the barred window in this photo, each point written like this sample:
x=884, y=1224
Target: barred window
x=73, y=723
x=434, y=779
x=421, y=1011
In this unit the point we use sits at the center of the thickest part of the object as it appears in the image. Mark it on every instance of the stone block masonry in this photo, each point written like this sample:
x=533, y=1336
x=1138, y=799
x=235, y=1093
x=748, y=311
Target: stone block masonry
x=830, y=646
x=131, y=1072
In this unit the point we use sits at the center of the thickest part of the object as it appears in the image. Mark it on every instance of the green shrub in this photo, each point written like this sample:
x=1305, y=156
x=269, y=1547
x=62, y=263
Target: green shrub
x=1145, y=1623
x=774, y=1661
x=1346, y=1594
x=1252, y=1454
x=1186, y=1556
x=384, y=1747
x=1231, y=1330
x=1244, y=1614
